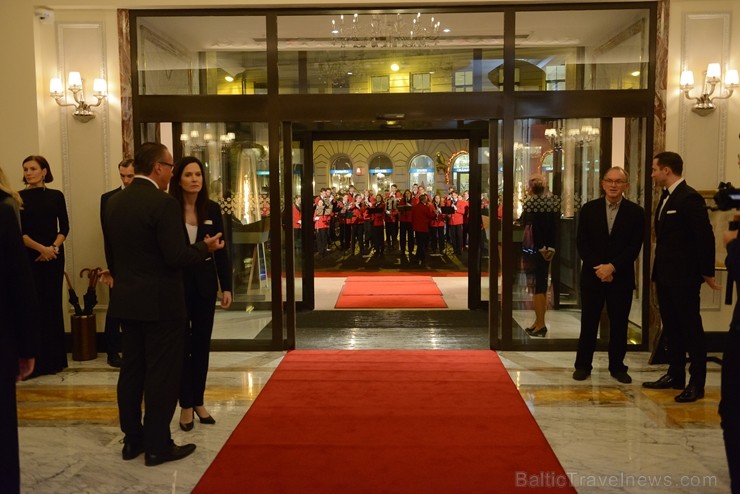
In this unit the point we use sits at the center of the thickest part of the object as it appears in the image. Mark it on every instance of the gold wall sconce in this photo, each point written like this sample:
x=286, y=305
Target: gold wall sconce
x=83, y=110
x=704, y=104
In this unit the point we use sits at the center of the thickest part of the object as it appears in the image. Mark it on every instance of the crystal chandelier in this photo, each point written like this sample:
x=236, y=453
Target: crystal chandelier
x=385, y=31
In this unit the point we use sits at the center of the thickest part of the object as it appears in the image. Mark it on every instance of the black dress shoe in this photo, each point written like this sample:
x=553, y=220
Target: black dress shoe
x=537, y=333
x=114, y=360
x=690, y=394
x=206, y=420
x=131, y=450
x=622, y=377
x=665, y=382
x=186, y=427
x=173, y=454
x=581, y=374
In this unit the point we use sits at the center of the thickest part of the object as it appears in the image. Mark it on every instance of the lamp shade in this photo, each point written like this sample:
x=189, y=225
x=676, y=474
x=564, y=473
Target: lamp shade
x=99, y=86
x=713, y=72
x=74, y=81
x=731, y=79
x=687, y=79
x=55, y=87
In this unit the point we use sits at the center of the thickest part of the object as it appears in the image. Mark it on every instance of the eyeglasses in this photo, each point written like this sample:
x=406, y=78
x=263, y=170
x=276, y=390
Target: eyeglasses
x=171, y=165
x=618, y=181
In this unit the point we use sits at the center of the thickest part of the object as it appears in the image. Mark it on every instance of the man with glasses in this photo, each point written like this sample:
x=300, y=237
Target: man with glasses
x=146, y=249
x=609, y=239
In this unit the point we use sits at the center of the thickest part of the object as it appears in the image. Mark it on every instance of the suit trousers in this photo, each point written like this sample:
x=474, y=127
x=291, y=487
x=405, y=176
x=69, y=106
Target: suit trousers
x=10, y=476
x=679, y=309
x=112, y=335
x=618, y=300
x=151, y=369
x=729, y=405
x=198, y=330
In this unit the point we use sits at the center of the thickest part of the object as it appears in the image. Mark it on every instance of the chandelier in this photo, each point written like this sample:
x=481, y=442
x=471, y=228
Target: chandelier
x=385, y=31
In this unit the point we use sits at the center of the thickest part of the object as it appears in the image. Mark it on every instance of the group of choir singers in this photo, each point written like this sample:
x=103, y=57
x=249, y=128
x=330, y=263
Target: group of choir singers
x=365, y=225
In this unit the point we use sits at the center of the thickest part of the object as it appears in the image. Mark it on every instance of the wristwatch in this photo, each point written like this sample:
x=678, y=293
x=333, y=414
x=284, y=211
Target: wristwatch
x=56, y=249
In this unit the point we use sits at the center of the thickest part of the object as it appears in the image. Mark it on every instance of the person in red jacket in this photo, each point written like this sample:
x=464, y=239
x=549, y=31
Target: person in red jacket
x=404, y=216
x=391, y=217
x=356, y=221
x=322, y=220
x=456, y=222
x=297, y=236
x=422, y=215
x=378, y=224
x=437, y=227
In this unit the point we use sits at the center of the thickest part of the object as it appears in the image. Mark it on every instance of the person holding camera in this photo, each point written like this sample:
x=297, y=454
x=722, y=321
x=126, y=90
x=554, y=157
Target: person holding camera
x=729, y=404
x=684, y=259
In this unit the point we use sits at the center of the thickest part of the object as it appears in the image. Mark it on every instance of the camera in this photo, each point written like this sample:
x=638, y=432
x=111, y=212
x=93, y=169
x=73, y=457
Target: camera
x=727, y=197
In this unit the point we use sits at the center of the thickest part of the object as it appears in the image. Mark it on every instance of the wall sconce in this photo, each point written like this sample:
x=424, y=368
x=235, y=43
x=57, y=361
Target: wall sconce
x=704, y=104
x=83, y=110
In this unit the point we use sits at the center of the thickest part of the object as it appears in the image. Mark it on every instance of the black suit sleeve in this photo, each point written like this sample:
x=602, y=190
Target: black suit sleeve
x=171, y=237
x=697, y=217
x=223, y=263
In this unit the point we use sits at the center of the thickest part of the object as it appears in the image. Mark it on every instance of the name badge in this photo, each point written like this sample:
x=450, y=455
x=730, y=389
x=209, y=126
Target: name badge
x=210, y=222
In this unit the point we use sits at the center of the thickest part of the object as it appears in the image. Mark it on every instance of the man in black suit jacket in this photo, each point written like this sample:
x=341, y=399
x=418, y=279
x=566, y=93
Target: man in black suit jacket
x=684, y=259
x=609, y=238
x=113, y=325
x=18, y=338
x=146, y=249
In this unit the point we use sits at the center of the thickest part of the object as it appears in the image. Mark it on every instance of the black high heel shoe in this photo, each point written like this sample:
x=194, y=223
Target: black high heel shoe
x=206, y=420
x=186, y=427
x=539, y=333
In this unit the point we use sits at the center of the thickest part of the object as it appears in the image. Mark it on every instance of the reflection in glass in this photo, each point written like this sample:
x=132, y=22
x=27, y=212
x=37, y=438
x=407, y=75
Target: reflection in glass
x=575, y=50
x=228, y=55
x=388, y=53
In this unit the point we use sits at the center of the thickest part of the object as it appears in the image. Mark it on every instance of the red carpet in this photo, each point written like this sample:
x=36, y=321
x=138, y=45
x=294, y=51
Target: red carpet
x=390, y=292
x=387, y=422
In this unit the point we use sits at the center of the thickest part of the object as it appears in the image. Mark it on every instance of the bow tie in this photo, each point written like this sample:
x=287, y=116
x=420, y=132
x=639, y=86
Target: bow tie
x=664, y=195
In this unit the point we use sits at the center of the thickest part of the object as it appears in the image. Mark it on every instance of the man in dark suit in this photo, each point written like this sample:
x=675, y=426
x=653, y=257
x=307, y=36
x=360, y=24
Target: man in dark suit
x=609, y=239
x=146, y=249
x=113, y=325
x=684, y=259
x=18, y=338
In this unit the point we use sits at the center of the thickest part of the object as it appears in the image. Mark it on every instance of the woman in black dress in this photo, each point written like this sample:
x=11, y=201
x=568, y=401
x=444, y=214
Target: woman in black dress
x=540, y=213
x=202, y=217
x=45, y=226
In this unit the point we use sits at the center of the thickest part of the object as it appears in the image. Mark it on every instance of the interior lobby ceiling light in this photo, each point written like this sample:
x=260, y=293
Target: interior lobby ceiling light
x=385, y=31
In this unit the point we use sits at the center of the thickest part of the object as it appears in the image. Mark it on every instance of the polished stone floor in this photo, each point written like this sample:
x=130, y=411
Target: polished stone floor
x=608, y=436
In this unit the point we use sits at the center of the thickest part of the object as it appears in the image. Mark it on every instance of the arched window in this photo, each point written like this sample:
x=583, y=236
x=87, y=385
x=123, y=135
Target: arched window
x=340, y=172
x=380, y=168
x=421, y=171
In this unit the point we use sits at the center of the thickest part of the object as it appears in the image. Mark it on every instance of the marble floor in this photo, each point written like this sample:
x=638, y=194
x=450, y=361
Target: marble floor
x=609, y=437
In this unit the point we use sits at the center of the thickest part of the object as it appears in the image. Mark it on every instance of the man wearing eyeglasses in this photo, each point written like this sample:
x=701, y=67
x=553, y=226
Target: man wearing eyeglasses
x=146, y=249
x=609, y=238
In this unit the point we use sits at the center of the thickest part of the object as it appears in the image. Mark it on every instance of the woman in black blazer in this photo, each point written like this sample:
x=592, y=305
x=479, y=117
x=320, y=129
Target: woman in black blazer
x=202, y=218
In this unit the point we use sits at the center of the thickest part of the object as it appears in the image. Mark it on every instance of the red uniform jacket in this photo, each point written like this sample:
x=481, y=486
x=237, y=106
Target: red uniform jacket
x=422, y=215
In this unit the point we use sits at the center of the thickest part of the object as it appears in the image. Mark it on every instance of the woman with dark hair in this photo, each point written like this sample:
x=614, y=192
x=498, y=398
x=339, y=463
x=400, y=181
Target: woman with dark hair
x=202, y=219
x=45, y=226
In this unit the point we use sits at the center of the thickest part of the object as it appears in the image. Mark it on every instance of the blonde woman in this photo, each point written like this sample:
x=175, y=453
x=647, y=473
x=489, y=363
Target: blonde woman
x=9, y=196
